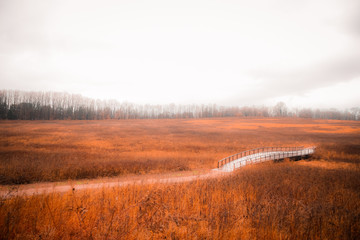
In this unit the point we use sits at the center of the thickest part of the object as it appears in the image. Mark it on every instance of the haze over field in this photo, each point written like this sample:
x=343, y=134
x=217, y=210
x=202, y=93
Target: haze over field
x=305, y=53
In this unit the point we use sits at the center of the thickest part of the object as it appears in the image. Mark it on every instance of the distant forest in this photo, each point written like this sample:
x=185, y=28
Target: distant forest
x=23, y=105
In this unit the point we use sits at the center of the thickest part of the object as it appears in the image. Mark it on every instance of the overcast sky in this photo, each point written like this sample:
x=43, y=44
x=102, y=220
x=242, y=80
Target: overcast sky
x=303, y=52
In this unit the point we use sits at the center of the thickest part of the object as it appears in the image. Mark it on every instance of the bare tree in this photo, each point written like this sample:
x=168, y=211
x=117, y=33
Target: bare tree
x=280, y=110
x=54, y=105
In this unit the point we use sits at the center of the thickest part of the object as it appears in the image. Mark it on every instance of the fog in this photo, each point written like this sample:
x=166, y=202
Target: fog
x=305, y=53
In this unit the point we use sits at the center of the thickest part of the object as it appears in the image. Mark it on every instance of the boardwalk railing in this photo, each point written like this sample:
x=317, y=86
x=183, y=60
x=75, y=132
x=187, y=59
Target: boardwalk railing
x=263, y=154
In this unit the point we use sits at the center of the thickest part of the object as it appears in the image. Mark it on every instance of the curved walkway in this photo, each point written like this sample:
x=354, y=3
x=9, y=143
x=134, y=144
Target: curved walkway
x=262, y=155
x=254, y=156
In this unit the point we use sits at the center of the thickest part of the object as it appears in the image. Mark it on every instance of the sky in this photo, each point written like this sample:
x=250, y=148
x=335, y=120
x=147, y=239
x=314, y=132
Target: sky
x=234, y=53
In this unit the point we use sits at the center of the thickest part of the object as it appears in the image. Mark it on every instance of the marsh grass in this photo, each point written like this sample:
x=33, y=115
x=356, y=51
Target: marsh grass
x=265, y=201
x=36, y=151
x=318, y=198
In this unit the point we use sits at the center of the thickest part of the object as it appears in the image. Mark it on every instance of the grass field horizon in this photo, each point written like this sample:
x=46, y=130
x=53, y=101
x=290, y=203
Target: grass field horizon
x=114, y=116
x=36, y=151
x=317, y=198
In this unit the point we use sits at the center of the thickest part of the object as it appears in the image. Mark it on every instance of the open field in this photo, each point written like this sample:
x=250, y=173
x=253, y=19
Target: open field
x=36, y=151
x=284, y=200
x=309, y=199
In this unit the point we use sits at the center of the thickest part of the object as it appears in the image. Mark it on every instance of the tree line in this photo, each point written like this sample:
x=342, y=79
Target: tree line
x=25, y=105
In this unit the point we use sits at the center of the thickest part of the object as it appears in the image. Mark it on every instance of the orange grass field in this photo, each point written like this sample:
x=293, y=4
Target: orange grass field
x=318, y=198
x=34, y=151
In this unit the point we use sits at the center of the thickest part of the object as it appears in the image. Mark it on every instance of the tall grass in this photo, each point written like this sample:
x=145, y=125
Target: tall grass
x=265, y=201
x=286, y=200
x=35, y=151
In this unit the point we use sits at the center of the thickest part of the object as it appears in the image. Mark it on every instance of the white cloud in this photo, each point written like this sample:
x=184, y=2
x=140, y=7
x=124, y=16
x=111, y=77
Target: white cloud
x=340, y=95
x=230, y=52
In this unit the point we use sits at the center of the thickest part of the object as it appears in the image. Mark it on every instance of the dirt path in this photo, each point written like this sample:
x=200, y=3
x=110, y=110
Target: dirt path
x=175, y=177
x=9, y=191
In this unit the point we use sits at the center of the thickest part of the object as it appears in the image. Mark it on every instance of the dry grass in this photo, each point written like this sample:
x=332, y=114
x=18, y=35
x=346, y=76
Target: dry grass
x=35, y=151
x=265, y=201
x=317, y=199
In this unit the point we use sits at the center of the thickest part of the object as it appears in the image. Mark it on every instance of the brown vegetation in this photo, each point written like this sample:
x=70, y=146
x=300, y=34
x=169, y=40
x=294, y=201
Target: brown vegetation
x=33, y=151
x=264, y=201
x=317, y=199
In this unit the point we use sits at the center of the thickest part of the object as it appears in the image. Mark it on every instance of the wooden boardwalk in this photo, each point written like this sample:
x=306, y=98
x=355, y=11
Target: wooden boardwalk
x=258, y=155
x=225, y=165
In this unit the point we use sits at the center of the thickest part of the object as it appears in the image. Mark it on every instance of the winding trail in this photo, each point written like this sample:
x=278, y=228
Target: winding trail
x=9, y=191
x=235, y=161
x=258, y=155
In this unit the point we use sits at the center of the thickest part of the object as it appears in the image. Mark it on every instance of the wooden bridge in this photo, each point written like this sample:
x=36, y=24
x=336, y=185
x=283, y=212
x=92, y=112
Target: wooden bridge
x=257, y=155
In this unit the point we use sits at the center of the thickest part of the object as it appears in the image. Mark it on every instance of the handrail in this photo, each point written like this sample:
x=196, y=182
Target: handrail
x=274, y=152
